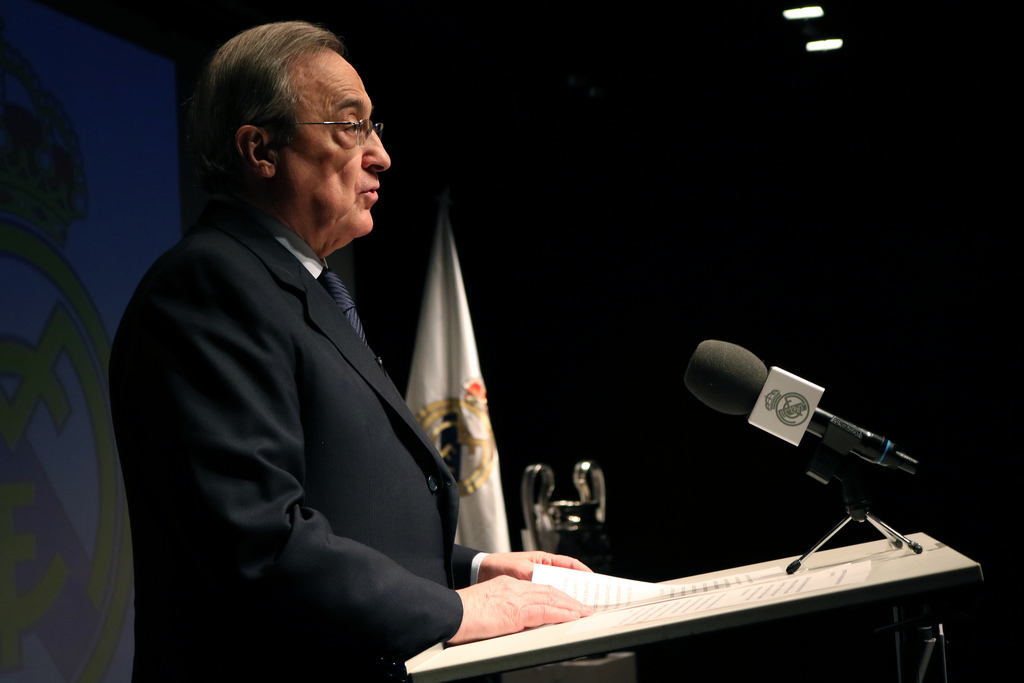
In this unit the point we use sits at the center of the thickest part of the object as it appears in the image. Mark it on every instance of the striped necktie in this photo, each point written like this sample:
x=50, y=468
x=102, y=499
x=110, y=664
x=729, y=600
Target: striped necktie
x=336, y=288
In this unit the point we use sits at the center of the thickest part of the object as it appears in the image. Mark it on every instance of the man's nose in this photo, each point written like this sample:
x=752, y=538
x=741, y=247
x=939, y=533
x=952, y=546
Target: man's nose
x=376, y=157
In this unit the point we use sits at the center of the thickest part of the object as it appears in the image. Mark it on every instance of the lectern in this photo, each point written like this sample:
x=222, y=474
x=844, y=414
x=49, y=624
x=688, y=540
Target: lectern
x=829, y=580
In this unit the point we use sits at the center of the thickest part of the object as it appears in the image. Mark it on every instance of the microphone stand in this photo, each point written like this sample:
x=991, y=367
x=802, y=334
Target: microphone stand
x=829, y=462
x=914, y=653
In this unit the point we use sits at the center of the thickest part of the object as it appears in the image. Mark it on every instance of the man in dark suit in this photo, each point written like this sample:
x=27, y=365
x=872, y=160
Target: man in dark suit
x=290, y=521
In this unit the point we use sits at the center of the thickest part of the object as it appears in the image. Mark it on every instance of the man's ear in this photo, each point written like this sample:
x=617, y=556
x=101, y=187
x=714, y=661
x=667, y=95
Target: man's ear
x=254, y=148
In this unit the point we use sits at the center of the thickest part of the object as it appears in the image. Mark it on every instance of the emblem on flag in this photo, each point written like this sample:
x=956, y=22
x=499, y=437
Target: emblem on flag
x=461, y=430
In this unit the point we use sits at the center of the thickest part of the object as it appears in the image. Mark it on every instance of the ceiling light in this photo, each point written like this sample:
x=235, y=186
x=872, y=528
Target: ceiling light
x=823, y=45
x=804, y=13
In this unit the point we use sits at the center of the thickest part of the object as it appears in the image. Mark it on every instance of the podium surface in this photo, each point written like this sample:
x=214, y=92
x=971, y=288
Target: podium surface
x=867, y=572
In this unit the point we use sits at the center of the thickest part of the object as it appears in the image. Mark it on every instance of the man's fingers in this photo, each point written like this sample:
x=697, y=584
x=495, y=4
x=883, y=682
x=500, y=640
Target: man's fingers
x=519, y=565
x=552, y=597
x=539, y=614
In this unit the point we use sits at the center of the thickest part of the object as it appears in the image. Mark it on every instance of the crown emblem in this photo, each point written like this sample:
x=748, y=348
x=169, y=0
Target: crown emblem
x=42, y=179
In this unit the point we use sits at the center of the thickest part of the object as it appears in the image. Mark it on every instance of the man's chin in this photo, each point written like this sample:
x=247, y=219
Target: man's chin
x=363, y=228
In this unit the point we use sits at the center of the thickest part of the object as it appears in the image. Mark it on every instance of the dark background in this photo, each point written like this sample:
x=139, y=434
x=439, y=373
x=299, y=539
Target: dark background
x=631, y=180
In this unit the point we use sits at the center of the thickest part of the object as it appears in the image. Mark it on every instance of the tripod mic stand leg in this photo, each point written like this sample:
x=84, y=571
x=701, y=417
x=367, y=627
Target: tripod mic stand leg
x=791, y=569
x=895, y=538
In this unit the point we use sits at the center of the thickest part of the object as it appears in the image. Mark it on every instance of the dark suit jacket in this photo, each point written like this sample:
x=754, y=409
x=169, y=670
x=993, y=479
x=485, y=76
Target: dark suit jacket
x=289, y=517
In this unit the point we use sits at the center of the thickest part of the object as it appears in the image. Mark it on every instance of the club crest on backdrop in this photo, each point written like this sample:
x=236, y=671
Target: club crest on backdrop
x=65, y=567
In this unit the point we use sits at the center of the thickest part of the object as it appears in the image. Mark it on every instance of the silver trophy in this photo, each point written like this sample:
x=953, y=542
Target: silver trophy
x=567, y=527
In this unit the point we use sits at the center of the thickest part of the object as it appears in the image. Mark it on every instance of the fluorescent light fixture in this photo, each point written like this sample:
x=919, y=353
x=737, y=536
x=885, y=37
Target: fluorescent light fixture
x=824, y=45
x=804, y=13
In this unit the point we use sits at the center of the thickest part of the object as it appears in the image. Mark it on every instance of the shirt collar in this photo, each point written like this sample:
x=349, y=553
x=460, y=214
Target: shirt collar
x=288, y=238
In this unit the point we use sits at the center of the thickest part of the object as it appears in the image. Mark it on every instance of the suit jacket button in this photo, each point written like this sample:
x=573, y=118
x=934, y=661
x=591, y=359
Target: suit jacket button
x=432, y=483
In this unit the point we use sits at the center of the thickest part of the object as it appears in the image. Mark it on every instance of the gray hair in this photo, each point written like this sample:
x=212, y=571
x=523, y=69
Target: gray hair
x=248, y=81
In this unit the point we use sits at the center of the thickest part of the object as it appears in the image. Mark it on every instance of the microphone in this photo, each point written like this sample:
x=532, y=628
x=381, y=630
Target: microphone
x=732, y=380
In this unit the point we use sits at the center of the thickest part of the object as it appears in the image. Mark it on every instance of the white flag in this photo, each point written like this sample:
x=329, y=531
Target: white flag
x=447, y=394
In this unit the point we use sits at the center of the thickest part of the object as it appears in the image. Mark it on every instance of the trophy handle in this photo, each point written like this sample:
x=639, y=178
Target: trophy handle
x=593, y=491
x=535, y=493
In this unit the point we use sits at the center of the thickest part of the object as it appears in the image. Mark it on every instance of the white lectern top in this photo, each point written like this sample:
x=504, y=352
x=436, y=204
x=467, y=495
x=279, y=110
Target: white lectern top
x=830, y=579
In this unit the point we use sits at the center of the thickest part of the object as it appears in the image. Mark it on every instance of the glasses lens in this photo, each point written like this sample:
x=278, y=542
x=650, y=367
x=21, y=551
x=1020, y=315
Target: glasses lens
x=366, y=127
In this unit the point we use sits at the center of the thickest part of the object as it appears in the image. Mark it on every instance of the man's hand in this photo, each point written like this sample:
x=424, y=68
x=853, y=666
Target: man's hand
x=505, y=605
x=505, y=601
x=520, y=565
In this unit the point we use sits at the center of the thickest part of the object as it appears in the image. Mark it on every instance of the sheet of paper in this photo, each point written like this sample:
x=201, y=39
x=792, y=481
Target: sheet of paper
x=603, y=592
x=750, y=590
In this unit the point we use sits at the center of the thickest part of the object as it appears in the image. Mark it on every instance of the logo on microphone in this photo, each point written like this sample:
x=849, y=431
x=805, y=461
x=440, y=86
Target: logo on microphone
x=792, y=408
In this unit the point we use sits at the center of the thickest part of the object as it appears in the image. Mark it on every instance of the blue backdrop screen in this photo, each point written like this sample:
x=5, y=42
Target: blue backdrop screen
x=88, y=198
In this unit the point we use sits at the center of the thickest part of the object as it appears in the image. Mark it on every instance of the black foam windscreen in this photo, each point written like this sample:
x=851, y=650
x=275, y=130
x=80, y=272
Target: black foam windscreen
x=725, y=377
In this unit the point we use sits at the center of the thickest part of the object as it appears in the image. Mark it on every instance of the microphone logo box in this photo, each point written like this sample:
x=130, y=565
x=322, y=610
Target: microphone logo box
x=786, y=405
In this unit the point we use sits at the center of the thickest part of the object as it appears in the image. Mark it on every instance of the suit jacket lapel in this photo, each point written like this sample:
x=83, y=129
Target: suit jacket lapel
x=323, y=311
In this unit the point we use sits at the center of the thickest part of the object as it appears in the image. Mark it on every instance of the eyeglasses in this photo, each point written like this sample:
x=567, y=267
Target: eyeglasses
x=362, y=127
